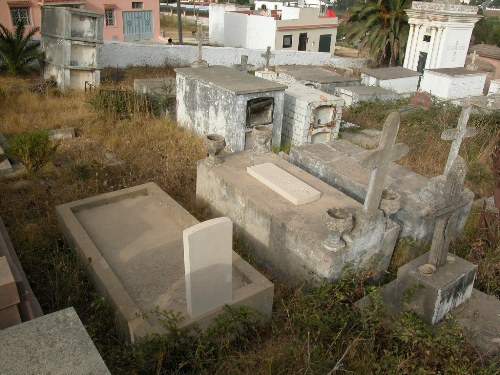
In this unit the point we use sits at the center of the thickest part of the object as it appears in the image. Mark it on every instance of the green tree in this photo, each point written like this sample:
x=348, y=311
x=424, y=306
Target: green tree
x=381, y=27
x=17, y=48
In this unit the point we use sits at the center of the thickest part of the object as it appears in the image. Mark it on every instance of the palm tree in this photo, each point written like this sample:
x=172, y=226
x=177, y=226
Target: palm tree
x=381, y=26
x=17, y=49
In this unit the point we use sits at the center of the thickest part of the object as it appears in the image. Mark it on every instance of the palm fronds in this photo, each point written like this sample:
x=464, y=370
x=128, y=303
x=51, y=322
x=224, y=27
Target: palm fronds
x=17, y=48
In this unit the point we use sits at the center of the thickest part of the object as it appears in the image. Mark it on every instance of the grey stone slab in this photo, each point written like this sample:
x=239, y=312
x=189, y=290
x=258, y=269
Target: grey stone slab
x=64, y=133
x=133, y=238
x=55, y=344
x=368, y=91
x=313, y=73
x=231, y=80
x=455, y=72
x=391, y=72
x=292, y=241
x=338, y=164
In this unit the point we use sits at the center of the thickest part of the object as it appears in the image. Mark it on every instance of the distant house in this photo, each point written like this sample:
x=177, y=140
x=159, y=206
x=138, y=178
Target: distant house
x=296, y=28
x=124, y=20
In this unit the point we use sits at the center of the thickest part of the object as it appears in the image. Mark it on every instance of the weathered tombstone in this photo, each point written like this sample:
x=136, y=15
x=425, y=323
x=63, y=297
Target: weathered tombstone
x=378, y=160
x=268, y=56
x=457, y=135
x=243, y=65
x=208, y=248
x=200, y=36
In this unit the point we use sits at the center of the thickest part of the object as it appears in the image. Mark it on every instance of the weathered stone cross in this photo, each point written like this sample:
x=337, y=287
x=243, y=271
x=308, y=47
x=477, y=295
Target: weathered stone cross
x=200, y=36
x=378, y=160
x=454, y=197
x=243, y=66
x=268, y=56
x=457, y=135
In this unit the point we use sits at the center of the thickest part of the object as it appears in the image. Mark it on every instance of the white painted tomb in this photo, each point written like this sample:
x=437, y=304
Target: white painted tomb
x=453, y=83
x=440, y=33
x=494, y=87
x=397, y=78
x=355, y=94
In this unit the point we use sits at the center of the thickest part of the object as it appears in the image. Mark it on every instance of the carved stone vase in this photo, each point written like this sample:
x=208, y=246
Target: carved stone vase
x=214, y=144
x=339, y=222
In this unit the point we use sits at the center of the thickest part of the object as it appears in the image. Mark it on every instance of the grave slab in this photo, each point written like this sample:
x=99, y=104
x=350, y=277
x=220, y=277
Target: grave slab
x=283, y=183
x=396, y=78
x=355, y=94
x=338, y=164
x=306, y=242
x=64, y=133
x=9, y=316
x=55, y=344
x=208, y=265
x=130, y=242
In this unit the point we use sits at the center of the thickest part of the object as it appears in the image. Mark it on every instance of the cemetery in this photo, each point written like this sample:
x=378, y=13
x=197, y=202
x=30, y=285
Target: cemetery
x=286, y=216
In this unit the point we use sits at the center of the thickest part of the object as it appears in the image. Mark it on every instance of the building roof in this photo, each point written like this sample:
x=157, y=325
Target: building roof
x=390, y=73
x=314, y=74
x=455, y=72
x=231, y=80
x=486, y=50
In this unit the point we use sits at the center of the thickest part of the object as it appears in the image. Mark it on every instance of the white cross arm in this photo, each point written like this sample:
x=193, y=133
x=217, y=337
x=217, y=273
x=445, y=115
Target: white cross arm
x=376, y=158
x=452, y=134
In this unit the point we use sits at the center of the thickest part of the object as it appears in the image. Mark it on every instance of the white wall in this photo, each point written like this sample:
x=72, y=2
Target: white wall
x=452, y=87
x=400, y=85
x=123, y=54
x=235, y=29
x=290, y=13
x=261, y=32
x=216, y=21
x=494, y=87
x=456, y=43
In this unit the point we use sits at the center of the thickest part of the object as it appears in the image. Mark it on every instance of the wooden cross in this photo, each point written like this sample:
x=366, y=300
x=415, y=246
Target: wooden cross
x=457, y=135
x=200, y=35
x=378, y=160
x=243, y=66
x=268, y=56
x=454, y=197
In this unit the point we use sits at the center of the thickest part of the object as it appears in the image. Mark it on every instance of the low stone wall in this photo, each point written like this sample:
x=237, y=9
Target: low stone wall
x=116, y=54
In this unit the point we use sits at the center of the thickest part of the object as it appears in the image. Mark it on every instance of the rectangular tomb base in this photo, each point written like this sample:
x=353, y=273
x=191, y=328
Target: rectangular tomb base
x=130, y=243
x=294, y=242
x=430, y=296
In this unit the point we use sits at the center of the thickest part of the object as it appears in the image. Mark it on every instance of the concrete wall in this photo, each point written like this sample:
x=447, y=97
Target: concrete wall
x=216, y=21
x=235, y=29
x=455, y=46
x=400, y=85
x=124, y=54
x=248, y=31
x=452, y=87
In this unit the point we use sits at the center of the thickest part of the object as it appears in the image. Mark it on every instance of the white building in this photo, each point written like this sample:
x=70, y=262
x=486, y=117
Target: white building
x=439, y=35
x=299, y=29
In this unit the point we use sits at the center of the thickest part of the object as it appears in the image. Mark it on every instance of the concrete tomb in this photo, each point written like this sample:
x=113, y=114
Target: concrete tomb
x=309, y=115
x=440, y=33
x=438, y=281
x=397, y=78
x=320, y=78
x=70, y=39
x=224, y=101
x=9, y=297
x=494, y=87
x=344, y=166
x=355, y=94
x=130, y=243
x=55, y=344
x=315, y=238
x=162, y=89
x=453, y=83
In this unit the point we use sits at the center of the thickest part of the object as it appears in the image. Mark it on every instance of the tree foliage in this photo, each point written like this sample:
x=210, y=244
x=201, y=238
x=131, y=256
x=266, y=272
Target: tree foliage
x=381, y=27
x=487, y=30
x=17, y=49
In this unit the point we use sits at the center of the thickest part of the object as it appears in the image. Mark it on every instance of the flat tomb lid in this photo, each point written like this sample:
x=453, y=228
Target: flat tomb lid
x=231, y=79
x=393, y=72
x=283, y=183
x=455, y=72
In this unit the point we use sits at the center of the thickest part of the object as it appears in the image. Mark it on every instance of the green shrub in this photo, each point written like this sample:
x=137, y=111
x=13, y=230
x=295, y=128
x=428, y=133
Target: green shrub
x=33, y=149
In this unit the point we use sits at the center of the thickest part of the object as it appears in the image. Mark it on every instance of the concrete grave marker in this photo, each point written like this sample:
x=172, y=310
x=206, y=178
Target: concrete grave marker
x=457, y=135
x=268, y=56
x=200, y=35
x=208, y=265
x=283, y=183
x=243, y=65
x=378, y=160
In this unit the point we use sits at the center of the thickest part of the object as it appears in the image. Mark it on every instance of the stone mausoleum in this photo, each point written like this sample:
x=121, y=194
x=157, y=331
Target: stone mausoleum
x=440, y=33
x=220, y=100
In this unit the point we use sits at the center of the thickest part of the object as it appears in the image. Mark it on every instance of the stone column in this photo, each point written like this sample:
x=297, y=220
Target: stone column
x=430, y=54
x=408, y=45
x=420, y=37
x=437, y=47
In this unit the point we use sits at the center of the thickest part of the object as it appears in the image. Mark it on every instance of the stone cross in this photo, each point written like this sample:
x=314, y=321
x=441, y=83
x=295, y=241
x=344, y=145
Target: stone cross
x=208, y=264
x=454, y=197
x=378, y=160
x=200, y=36
x=457, y=135
x=243, y=66
x=268, y=56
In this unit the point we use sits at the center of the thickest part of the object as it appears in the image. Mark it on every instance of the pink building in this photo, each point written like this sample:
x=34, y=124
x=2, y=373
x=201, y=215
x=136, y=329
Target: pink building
x=124, y=20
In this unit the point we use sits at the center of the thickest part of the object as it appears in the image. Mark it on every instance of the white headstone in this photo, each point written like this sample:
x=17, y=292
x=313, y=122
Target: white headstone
x=283, y=183
x=208, y=251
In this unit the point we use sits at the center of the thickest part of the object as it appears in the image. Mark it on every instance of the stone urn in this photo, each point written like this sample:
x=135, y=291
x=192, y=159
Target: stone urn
x=390, y=202
x=339, y=222
x=262, y=135
x=214, y=144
